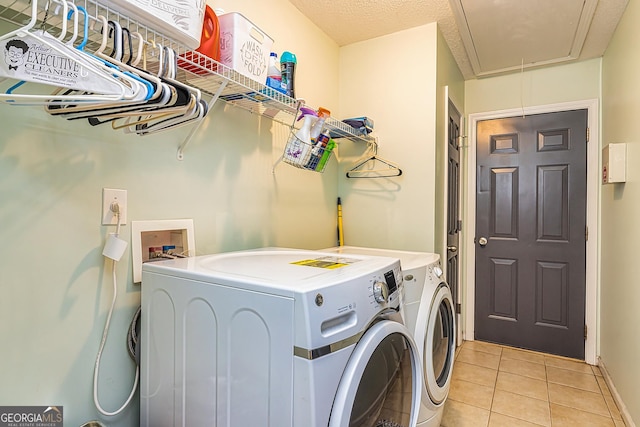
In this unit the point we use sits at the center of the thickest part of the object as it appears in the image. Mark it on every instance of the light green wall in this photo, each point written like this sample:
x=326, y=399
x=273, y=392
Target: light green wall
x=55, y=285
x=563, y=83
x=620, y=209
x=392, y=80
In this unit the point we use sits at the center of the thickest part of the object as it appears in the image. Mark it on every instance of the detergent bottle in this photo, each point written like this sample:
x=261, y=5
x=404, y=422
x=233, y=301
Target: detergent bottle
x=288, y=63
x=325, y=155
x=299, y=144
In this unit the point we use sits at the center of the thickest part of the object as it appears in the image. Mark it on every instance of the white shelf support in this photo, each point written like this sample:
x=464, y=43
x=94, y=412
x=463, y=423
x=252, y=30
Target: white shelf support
x=193, y=131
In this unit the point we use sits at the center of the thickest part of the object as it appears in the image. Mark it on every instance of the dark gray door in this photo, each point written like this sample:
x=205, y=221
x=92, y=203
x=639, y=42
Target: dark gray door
x=453, y=205
x=530, y=232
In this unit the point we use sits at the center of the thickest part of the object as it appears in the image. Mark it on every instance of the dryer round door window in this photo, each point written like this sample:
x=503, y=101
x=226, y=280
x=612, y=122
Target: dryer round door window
x=383, y=366
x=439, y=345
x=442, y=343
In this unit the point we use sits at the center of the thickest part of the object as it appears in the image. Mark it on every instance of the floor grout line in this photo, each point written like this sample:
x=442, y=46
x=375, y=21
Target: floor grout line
x=500, y=355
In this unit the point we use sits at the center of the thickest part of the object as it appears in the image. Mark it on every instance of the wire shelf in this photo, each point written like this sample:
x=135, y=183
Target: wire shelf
x=210, y=77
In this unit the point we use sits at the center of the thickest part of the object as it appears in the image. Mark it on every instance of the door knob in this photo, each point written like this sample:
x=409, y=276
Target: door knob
x=482, y=241
x=452, y=248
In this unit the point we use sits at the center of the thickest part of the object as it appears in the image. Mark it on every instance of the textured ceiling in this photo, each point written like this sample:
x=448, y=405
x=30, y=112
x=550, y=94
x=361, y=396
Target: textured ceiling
x=350, y=21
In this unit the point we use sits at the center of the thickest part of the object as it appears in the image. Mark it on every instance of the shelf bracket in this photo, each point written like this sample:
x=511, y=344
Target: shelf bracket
x=193, y=131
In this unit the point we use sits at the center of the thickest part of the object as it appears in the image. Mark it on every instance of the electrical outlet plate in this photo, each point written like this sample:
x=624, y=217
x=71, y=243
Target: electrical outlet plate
x=110, y=195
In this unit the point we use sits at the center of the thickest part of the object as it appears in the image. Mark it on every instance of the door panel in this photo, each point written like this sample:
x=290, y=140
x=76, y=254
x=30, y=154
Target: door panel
x=552, y=203
x=503, y=288
x=531, y=209
x=504, y=190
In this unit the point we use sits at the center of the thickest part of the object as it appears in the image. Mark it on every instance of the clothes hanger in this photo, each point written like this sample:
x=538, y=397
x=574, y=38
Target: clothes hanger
x=65, y=11
x=63, y=30
x=181, y=104
x=160, y=94
x=141, y=48
x=119, y=33
x=92, y=82
x=196, y=110
x=184, y=102
x=75, y=14
x=365, y=169
x=141, y=86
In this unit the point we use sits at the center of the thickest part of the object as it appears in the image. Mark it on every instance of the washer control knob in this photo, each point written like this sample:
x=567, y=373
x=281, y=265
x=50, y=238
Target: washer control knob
x=381, y=292
x=437, y=271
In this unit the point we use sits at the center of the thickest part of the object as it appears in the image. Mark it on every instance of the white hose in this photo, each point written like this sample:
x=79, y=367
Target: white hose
x=105, y=333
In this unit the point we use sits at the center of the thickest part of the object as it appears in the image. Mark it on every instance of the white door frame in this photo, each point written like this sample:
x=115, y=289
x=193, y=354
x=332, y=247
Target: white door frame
x=593, y=191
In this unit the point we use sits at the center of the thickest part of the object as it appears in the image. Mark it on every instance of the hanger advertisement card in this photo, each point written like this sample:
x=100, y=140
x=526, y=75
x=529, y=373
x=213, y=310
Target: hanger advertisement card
x=43, y=59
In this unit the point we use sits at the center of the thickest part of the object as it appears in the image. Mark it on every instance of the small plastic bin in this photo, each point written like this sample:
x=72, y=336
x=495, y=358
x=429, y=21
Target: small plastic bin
x=303, y=155
x=244, y=47
x=181, y=20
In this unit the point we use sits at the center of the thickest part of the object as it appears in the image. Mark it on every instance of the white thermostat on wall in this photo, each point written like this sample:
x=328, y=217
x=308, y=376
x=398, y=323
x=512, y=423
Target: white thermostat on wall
x=614, y=163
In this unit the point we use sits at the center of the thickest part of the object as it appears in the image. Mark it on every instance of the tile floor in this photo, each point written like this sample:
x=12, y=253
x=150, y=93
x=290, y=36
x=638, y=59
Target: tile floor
x=500, y=386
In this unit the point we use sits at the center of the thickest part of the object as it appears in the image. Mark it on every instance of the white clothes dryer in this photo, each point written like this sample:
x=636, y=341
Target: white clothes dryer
x=428, y=312
x=276, y=337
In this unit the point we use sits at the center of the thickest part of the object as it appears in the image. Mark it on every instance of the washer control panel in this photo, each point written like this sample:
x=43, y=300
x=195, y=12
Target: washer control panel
x=385, y=289
x=434, y=272
x=381, y=292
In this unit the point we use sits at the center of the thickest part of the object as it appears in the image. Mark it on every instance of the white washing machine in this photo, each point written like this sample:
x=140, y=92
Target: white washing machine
x=276, y=338
x=428, y=312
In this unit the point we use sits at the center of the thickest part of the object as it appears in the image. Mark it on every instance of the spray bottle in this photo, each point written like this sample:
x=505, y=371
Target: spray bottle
x=299, y=143
x=318, y=139
x=316, y=129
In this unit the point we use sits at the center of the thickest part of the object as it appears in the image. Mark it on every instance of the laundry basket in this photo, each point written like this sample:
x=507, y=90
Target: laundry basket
x=307, y=156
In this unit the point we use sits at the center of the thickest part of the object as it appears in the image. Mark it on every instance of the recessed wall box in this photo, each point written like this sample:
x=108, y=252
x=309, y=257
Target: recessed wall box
x=614, y=163
x=162, y=239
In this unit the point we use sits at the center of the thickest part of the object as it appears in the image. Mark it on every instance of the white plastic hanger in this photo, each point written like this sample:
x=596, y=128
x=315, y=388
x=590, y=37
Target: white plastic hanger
x=94, y=82
x=65, y=10
x=160, y=94
x=175, y=101
x=195, y=110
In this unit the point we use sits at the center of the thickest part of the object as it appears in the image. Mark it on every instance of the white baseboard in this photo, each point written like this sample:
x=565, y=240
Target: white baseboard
x=626, y=417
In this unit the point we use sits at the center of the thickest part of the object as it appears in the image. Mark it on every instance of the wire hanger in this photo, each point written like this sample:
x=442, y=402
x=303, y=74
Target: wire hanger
x=367, y=168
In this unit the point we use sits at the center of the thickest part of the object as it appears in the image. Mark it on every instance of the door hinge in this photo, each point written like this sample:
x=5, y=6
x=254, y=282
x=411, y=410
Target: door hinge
x=459, y=225
x=458, y=308
x=585, y=332
x=586, y=233
x=588, y=134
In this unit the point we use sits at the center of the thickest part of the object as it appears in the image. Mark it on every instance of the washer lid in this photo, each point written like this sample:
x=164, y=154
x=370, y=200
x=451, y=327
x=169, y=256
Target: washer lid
x=408, y=260
x=291, y=271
